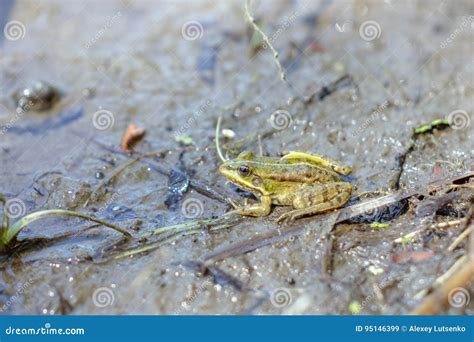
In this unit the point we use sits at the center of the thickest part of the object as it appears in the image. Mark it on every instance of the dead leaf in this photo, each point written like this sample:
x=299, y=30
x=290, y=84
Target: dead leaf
x=132, y=135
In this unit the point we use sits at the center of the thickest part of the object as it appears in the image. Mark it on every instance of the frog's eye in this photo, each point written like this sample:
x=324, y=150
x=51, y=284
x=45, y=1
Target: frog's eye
x=244, y=170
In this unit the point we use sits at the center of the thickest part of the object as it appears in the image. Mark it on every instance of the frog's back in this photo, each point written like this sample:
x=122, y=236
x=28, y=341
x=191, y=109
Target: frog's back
x=301, y=172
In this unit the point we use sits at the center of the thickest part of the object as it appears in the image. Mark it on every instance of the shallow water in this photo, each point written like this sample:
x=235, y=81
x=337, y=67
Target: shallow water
x=135, y=62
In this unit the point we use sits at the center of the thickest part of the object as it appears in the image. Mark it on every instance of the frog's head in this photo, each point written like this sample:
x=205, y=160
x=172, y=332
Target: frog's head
x=241, y=171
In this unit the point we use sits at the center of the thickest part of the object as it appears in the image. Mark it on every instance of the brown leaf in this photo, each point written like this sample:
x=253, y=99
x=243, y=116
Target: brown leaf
x=131, y=136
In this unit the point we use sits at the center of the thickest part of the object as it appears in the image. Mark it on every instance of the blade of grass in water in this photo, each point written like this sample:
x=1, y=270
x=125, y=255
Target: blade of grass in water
x=170, y=239
x=182, y=227
x=11, y=232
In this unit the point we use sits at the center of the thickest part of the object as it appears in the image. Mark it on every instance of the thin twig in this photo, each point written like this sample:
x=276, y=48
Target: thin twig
x=462, y=276
x=218, y=147
x=260, y=146
x=440, y=225
x=265, y=38
x=460, y=238
x=469, y=228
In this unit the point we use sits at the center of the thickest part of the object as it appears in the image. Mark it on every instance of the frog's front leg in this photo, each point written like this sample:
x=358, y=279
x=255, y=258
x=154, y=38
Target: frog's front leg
x=318, y=198
x=260, y=209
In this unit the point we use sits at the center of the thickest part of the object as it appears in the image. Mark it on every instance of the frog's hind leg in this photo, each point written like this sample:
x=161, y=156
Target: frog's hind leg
x=318, y=199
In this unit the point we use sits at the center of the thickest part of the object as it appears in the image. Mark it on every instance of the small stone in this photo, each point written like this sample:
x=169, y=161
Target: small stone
x=228, y=133
x=37, y=96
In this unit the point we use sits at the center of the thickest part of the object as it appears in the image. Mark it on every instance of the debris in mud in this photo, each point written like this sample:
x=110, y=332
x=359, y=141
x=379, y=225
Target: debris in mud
x=130, y=137
x=178, y=185
x=435, y=124
x=38, y=96
x=118, y=212
x=379, y=215
x=228, y=133
x=411, y=145
x=378, y=225
x=354, y=307
x=330, y=88
x=439, y=205
x=184, y=139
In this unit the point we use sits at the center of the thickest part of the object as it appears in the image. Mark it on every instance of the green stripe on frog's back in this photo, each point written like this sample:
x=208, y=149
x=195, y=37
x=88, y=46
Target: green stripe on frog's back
x=302, y=172
x=313, y=159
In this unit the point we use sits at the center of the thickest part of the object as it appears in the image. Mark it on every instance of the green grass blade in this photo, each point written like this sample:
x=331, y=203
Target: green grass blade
x=20, y=224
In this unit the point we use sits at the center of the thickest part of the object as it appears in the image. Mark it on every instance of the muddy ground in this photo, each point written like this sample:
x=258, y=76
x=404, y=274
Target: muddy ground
x=174, y=68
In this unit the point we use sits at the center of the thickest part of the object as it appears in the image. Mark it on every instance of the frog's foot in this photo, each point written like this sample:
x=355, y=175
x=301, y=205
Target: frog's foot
x=233, y=203
x=259, y=209
x=286, y=216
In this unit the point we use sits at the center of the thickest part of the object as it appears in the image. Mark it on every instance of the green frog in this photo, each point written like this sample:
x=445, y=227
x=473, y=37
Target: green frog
x=309, y=183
